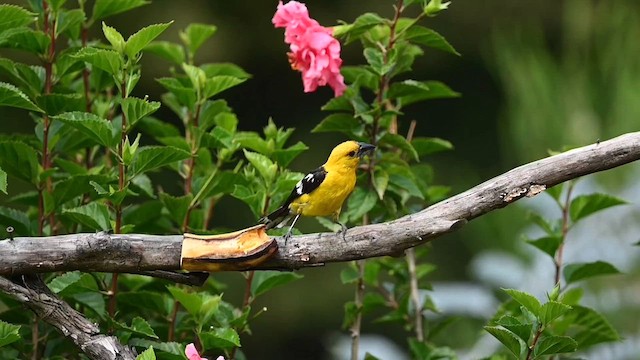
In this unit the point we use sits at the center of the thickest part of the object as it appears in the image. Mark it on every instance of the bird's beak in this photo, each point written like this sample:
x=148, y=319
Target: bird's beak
x=365, y=149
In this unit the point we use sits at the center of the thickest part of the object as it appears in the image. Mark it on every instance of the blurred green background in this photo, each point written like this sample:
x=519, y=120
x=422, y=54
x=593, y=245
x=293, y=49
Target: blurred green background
x=534, y=76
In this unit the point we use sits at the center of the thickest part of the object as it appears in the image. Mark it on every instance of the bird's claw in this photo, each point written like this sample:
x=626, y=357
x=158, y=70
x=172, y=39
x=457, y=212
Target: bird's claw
x=286, y=237
x=343, y=231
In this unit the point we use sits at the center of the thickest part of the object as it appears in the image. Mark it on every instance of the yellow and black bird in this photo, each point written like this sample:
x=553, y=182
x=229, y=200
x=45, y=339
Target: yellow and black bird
x=323, y=191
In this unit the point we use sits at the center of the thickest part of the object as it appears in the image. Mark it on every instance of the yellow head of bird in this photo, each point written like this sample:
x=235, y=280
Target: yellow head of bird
x=348, y=154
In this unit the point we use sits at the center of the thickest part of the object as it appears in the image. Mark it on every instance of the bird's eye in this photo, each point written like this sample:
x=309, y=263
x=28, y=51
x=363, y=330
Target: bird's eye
x=352, y=153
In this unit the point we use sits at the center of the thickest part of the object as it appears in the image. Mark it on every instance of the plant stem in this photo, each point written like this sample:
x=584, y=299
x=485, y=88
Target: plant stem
x=415, y=294
x=172, y=321
x=534, y=342
x=565, y=231
x=191, y=162
x=357, y=323
x=85, y=71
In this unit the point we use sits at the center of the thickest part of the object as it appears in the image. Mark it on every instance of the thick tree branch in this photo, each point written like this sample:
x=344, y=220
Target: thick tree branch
x=32, y=291
x=135, y=253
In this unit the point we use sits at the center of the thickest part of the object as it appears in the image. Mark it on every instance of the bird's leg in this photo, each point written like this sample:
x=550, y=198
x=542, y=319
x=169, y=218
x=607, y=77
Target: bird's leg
x=288, y=234
x=343, y=228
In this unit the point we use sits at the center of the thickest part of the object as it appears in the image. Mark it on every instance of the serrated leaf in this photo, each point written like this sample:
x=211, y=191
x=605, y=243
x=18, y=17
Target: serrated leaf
x=138, y=41
x=285, y=156
x=196, y=34
x=525, y=299
x=61, y=282
x=376, y=60
x=229, y=69
x=9, y=333
x=167, y=50
x=508, y=339
x=424, y=36
x=217, y=84
x=340, y=122
x=106, y=8
x=136, y=108
x=94, y=127
x=24, y=38
x=69, y=21
x=12, y=96
x=263, y=164
x=590, y=328
x=103, y=59
x=92, y=300
x=177, y=206
x=94, y=215
x=152, y=157
x=114, y=37
x=17, y=219
x=579, y=271
x=552, y=310
x=523, y=330
x=75, y=186
x=549, y=345
x=360, y=202
x=359, y=75
x=143, y=300
x=140, y=326
x=361, y=25
x=401, y=143
x=20, y=160
x=184, y=94
x=55, y=104
x=547, y=244
x=148, y=354
x=380, y=182
x=411, y=91
x=190, y=301
x=220, y=338
x=264, y=281
x=426, y=146
x=585, y=205
x=13, y=16
x=3, y=181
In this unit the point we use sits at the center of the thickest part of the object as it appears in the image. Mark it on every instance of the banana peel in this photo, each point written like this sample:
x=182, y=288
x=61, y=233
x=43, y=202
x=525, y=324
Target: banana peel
x=239, y=250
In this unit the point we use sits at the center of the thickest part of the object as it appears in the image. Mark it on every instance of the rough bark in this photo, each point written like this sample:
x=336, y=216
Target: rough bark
x=135, y=253
x=34, y=293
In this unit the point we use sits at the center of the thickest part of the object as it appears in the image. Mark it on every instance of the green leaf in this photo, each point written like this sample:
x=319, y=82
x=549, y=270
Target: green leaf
x=190, y=301
x=103, y=59
x=265, y=167
x=177, y=206
x=20, y=160
x=523, y=330
x=376, y=60
x=3, y=181
x=360, y=26
x=380, y=182
x=399, y=142
x=93, y=215
x=61, y=282
x=421, y=35
x=349, y=275
x=142, y=38
x=360, y=75
x=23, y=38
x=135, y=109
x=229, y=69
x=195, y=35
x=114, y=37
x=167, y=50
x=92, y=300
x=220, y=338
x=55, y=104
x=585, y=205
x=525, y=299
x=547, y=244
x=157, y=128
x=552, y=310
x=508, y=339
x=285, y=156
x=340, y=122
x=580, y=271
x=74, y=186
x=106, y=8
x=143, y=301
x=184, y=94
x=16, y=218
x=69, y=22
x=152, y=157
x=411, y=91
x=264, y=281
x=425, y=146
x=590, y=327
x=94, y=127
x=148, y=354
x=549, y=345
x=12, y=96
x=13, y=16
x=360, y=202
x=9, y=333
x=217, y=84
x=140, y=326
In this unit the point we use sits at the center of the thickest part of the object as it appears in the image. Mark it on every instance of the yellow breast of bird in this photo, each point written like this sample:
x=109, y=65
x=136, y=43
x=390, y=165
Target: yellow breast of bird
x=328, y=198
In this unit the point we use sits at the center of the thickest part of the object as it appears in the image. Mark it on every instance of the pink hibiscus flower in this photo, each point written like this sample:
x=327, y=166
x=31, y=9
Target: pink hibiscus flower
x=314, y=50
x=192, y=353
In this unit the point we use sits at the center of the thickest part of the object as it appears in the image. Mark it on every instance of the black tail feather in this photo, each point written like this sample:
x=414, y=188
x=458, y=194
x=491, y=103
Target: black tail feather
x=275, y=218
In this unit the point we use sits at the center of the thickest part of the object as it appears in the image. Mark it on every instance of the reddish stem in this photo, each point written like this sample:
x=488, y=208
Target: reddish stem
x=565, y=231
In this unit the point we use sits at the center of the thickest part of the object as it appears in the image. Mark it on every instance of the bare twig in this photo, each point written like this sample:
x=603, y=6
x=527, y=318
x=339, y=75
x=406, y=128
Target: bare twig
x=357, y=323
x=135, y=252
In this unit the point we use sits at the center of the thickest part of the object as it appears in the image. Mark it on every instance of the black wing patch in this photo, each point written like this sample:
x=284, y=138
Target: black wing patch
x=306, y=185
